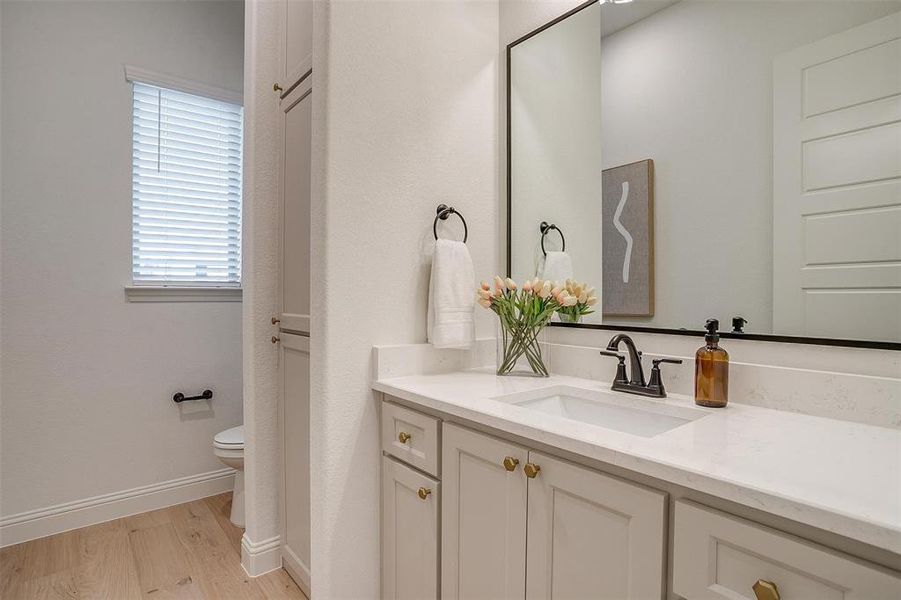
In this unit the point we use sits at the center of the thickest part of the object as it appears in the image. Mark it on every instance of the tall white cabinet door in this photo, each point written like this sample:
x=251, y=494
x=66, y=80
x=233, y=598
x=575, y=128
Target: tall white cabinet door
x=294, y=418
x=296, y=51
x=409, y=533
x=592, y=536
x=483, y=517
x=294, y=235
x=837, y=185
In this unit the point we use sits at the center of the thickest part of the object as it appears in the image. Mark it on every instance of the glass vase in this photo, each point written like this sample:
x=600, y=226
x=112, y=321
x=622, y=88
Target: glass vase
x=569, y=317
x=521, y=350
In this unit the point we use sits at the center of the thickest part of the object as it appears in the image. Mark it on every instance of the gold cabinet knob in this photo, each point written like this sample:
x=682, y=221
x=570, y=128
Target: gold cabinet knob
x=276, y=320
x=276, y=87
x=765, y=590
x=531, y=470
x=510, y=463
x=424, y=493
x=275, y=339
x=403, y=437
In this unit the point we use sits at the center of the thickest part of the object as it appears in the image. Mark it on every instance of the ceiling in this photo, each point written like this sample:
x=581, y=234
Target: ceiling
x=618, y=16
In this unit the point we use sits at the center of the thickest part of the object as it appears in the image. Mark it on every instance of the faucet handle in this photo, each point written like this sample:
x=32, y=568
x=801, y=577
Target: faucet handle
x=620, y=368
x=674, y=361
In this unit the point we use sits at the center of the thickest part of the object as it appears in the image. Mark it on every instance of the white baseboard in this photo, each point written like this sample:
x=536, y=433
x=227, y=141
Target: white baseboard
x=42, y=522
x=261, y=557
x=298, y=571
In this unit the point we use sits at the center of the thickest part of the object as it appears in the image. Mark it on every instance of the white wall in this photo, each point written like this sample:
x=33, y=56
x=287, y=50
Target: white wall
x=405, y=117
x=691, y=87
x=87, y=378
x=262, y=466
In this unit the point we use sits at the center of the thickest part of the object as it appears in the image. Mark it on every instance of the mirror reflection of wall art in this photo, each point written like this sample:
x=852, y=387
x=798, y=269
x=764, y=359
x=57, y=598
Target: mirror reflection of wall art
x=628, y=240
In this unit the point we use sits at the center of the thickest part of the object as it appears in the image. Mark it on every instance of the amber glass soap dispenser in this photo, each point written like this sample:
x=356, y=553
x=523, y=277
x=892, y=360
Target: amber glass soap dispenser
x=712, y=370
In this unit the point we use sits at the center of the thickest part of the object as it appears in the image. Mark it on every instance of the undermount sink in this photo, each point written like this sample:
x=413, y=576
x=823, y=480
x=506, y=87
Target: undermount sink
x=611, y=410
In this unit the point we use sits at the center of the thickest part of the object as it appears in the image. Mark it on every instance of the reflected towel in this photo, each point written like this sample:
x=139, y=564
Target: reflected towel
x=556, y=266
x=451, y=296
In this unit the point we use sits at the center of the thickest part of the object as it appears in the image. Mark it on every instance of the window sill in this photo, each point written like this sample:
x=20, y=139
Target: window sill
x=154, y=293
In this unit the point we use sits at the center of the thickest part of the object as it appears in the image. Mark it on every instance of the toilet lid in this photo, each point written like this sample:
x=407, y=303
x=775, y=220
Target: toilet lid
x=230, y=438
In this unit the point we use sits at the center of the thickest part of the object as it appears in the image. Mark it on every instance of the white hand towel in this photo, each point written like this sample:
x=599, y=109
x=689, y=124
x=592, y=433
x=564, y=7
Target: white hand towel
x=452, y=295
x=556, y=266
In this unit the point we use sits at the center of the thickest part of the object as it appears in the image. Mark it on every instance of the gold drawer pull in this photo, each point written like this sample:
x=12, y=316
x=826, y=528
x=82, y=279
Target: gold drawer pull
x=510, y=463
x=765, y=590
x=403, y=437
x=424, y=493
x=531, y=470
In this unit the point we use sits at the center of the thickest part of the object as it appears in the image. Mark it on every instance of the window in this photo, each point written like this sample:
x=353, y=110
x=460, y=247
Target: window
x=186, y=189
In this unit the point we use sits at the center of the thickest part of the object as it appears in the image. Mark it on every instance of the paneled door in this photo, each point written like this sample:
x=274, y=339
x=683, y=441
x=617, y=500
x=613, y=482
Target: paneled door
x=409, y=533
x=837, y=185
x=294, y=234
x=294, y=329
x=294, y=416
x=296, y=42
x=591, y=535
x=483, y=517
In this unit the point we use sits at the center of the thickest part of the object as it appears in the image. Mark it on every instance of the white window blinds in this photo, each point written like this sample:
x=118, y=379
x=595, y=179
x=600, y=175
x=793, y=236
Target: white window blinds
x=186, y=189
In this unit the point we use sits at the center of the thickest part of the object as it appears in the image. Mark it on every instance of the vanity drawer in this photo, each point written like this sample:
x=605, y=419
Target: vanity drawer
x=410, y=436
x=718, y=556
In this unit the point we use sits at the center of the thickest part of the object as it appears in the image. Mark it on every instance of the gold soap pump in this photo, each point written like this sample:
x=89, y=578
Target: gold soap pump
x=711, y=370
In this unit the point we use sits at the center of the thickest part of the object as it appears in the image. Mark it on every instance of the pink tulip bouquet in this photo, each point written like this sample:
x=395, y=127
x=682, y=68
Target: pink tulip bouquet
x=585, y=300
x=523, y=312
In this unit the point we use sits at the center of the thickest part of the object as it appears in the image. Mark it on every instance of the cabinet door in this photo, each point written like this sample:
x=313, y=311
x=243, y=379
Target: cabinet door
x=721, y=557
x=409, y=533
x=294, y=426
x=592, y=535
x=296, y=41
x=294, y=234
x=483, y=517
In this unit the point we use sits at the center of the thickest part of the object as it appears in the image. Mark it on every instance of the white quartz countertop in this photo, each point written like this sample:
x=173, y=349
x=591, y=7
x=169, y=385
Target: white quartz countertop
x=835, y=475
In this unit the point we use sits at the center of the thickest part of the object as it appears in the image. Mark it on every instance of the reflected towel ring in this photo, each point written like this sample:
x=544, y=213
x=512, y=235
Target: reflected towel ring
x=443, y=212
x=544, y=227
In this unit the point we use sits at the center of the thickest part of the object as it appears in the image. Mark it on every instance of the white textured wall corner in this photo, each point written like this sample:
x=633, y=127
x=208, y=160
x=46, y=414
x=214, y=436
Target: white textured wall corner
x=87, y=377
x=405, y=118
x=261, y=172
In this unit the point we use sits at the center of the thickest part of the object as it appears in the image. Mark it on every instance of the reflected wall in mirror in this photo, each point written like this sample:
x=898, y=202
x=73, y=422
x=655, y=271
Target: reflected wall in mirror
x=775, y=134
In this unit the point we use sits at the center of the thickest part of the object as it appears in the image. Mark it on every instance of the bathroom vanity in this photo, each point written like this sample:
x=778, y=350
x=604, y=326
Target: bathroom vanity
x=541, y=488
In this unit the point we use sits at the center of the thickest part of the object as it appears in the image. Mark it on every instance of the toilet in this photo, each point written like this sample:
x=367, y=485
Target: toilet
x=228, y=445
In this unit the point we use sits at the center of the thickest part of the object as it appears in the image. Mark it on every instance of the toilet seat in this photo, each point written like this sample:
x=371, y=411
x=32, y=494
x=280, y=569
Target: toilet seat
x=230, y=439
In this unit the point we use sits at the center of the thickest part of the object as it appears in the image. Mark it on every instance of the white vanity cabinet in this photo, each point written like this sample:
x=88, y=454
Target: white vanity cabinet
x=518, y=523
x=589, y=534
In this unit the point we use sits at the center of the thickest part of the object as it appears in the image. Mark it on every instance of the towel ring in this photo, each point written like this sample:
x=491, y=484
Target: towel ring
x=544, y=227
x=443, y=212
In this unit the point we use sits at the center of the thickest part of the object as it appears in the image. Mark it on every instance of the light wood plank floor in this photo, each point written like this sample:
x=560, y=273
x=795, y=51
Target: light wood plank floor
x=187, y=551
